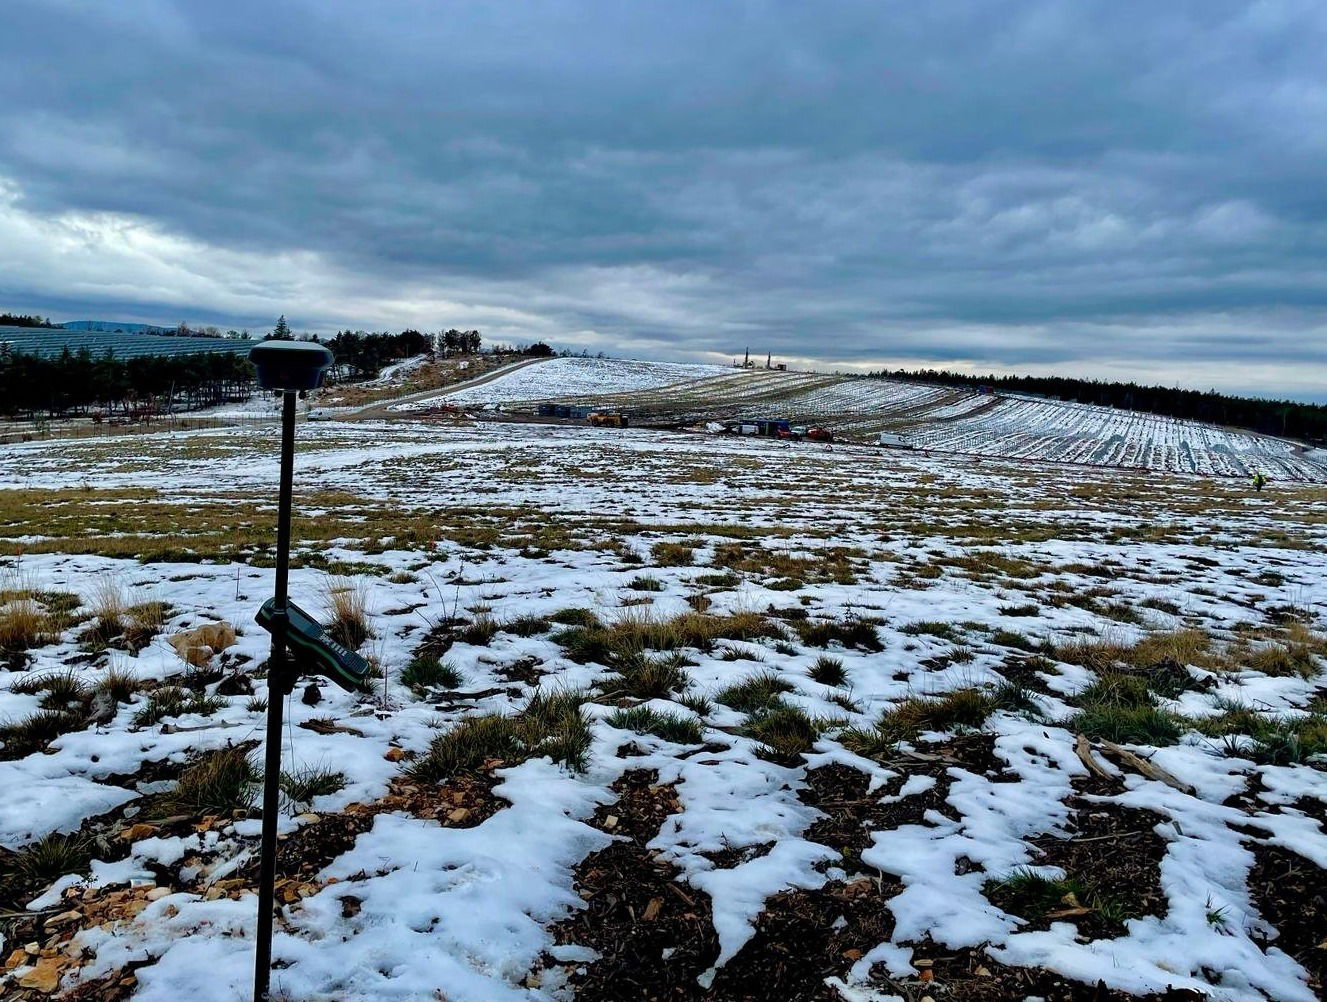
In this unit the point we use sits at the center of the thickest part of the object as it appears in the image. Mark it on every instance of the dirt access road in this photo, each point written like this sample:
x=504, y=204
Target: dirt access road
x=383, y=408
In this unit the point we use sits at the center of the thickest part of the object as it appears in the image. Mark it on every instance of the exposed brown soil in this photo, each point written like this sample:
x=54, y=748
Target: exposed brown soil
x=527, y=670
x=463, y=802
x=971, y=976
x=1291, y=894
x=654, y=936
x=1116, y=855
x=800, y=941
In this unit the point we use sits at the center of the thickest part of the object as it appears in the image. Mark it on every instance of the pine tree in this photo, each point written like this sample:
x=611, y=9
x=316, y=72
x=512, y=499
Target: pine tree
x=282, y=330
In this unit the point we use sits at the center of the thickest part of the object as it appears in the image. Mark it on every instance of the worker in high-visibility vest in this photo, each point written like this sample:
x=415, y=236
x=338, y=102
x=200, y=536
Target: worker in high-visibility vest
x=1259, y=480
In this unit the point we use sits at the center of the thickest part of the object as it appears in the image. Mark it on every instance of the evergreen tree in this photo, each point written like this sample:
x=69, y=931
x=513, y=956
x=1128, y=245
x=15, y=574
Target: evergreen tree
x=282, y=330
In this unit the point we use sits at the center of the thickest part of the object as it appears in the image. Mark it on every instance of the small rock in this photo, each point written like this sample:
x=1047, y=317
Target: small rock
x=135, y=832
x=64, y=918
x=312, y=695
x=235, y=685
x=45, y=977
x=308, y=819
x=394, y=754
x=458, y=815
x=157, y=893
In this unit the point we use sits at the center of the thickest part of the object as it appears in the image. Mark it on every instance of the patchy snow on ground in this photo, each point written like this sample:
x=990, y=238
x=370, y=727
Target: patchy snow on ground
x=935, y=633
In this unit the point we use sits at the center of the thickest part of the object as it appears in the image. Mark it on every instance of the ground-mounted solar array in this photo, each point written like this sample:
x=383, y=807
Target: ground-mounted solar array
x=47, y=341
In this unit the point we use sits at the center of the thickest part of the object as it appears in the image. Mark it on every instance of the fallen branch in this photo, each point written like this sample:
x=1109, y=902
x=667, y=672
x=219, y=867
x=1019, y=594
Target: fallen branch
x=1084, y=752
x=456, y=696
x=1147, y=768
x=1105, y=838
x=320, y=726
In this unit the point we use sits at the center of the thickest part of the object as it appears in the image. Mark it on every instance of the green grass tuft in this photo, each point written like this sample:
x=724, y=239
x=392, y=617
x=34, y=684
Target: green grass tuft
x=221, y=782
x=34, y=733
x=304, y=784
x=649, y=677
x=850, y=632
x=172, y=701
x=645, y=582
x=551, y=724
x=574, y=617
x=828, y=671
x=785, y=733
x=754, y=693
x=46, y=860
x=669, y=726
x=428, y=672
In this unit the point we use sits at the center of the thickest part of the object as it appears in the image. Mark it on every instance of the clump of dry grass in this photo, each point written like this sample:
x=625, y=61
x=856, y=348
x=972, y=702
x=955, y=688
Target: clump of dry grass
x=109, y=613
x=24, y=624
x=637, y=629
x=142, y=621
x=118, y=684
x=29, y=617
x=673, y=554
x=1184, y=647
x=346, y=602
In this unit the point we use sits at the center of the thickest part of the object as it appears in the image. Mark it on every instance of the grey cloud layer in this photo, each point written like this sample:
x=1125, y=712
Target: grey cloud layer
x=1021, y=184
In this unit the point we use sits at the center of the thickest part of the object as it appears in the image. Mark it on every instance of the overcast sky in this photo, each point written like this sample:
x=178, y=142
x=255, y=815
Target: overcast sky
x=1122, y=189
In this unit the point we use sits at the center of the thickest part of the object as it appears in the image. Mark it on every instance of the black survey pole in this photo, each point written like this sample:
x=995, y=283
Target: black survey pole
x=280, y=681
x=290, y=367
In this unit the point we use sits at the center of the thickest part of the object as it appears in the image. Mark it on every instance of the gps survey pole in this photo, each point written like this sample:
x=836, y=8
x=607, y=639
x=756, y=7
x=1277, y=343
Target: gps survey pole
x=289, y=367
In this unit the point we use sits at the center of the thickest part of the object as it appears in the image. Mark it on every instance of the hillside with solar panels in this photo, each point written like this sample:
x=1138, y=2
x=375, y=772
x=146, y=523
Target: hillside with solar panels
x=47, y=342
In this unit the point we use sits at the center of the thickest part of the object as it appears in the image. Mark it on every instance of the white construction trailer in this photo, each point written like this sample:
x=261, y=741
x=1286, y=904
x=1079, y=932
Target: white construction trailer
x=891, y=440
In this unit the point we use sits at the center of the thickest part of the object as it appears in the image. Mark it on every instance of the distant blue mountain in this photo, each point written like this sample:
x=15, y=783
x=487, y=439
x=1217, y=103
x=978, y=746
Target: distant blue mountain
x=115, y=325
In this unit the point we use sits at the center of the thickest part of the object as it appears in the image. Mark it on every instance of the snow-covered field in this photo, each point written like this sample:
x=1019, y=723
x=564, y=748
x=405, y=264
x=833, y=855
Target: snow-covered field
x=933, y=417
x=1003, y=731
x=1101, y=436
x=576, y=377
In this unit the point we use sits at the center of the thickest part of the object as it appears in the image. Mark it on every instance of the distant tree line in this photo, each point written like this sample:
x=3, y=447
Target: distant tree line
x=454, y=342
x=361, y=355
x=1272, y=417
x=81, y=383
x=21, y=320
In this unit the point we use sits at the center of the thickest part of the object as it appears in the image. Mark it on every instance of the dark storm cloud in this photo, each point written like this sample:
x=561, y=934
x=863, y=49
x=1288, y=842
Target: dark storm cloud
x=1087, y=187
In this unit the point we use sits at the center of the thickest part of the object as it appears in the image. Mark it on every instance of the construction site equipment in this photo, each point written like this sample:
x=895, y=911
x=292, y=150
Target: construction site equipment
x=765, y=427
x=818, y=434
x=609, y=419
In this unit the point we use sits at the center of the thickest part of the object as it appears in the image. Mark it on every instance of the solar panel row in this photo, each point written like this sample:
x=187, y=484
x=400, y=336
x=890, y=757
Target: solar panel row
x=46, y=342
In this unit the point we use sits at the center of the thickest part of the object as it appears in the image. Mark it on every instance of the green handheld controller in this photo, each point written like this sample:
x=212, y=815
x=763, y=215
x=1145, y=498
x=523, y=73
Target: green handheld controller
x=314, y=651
